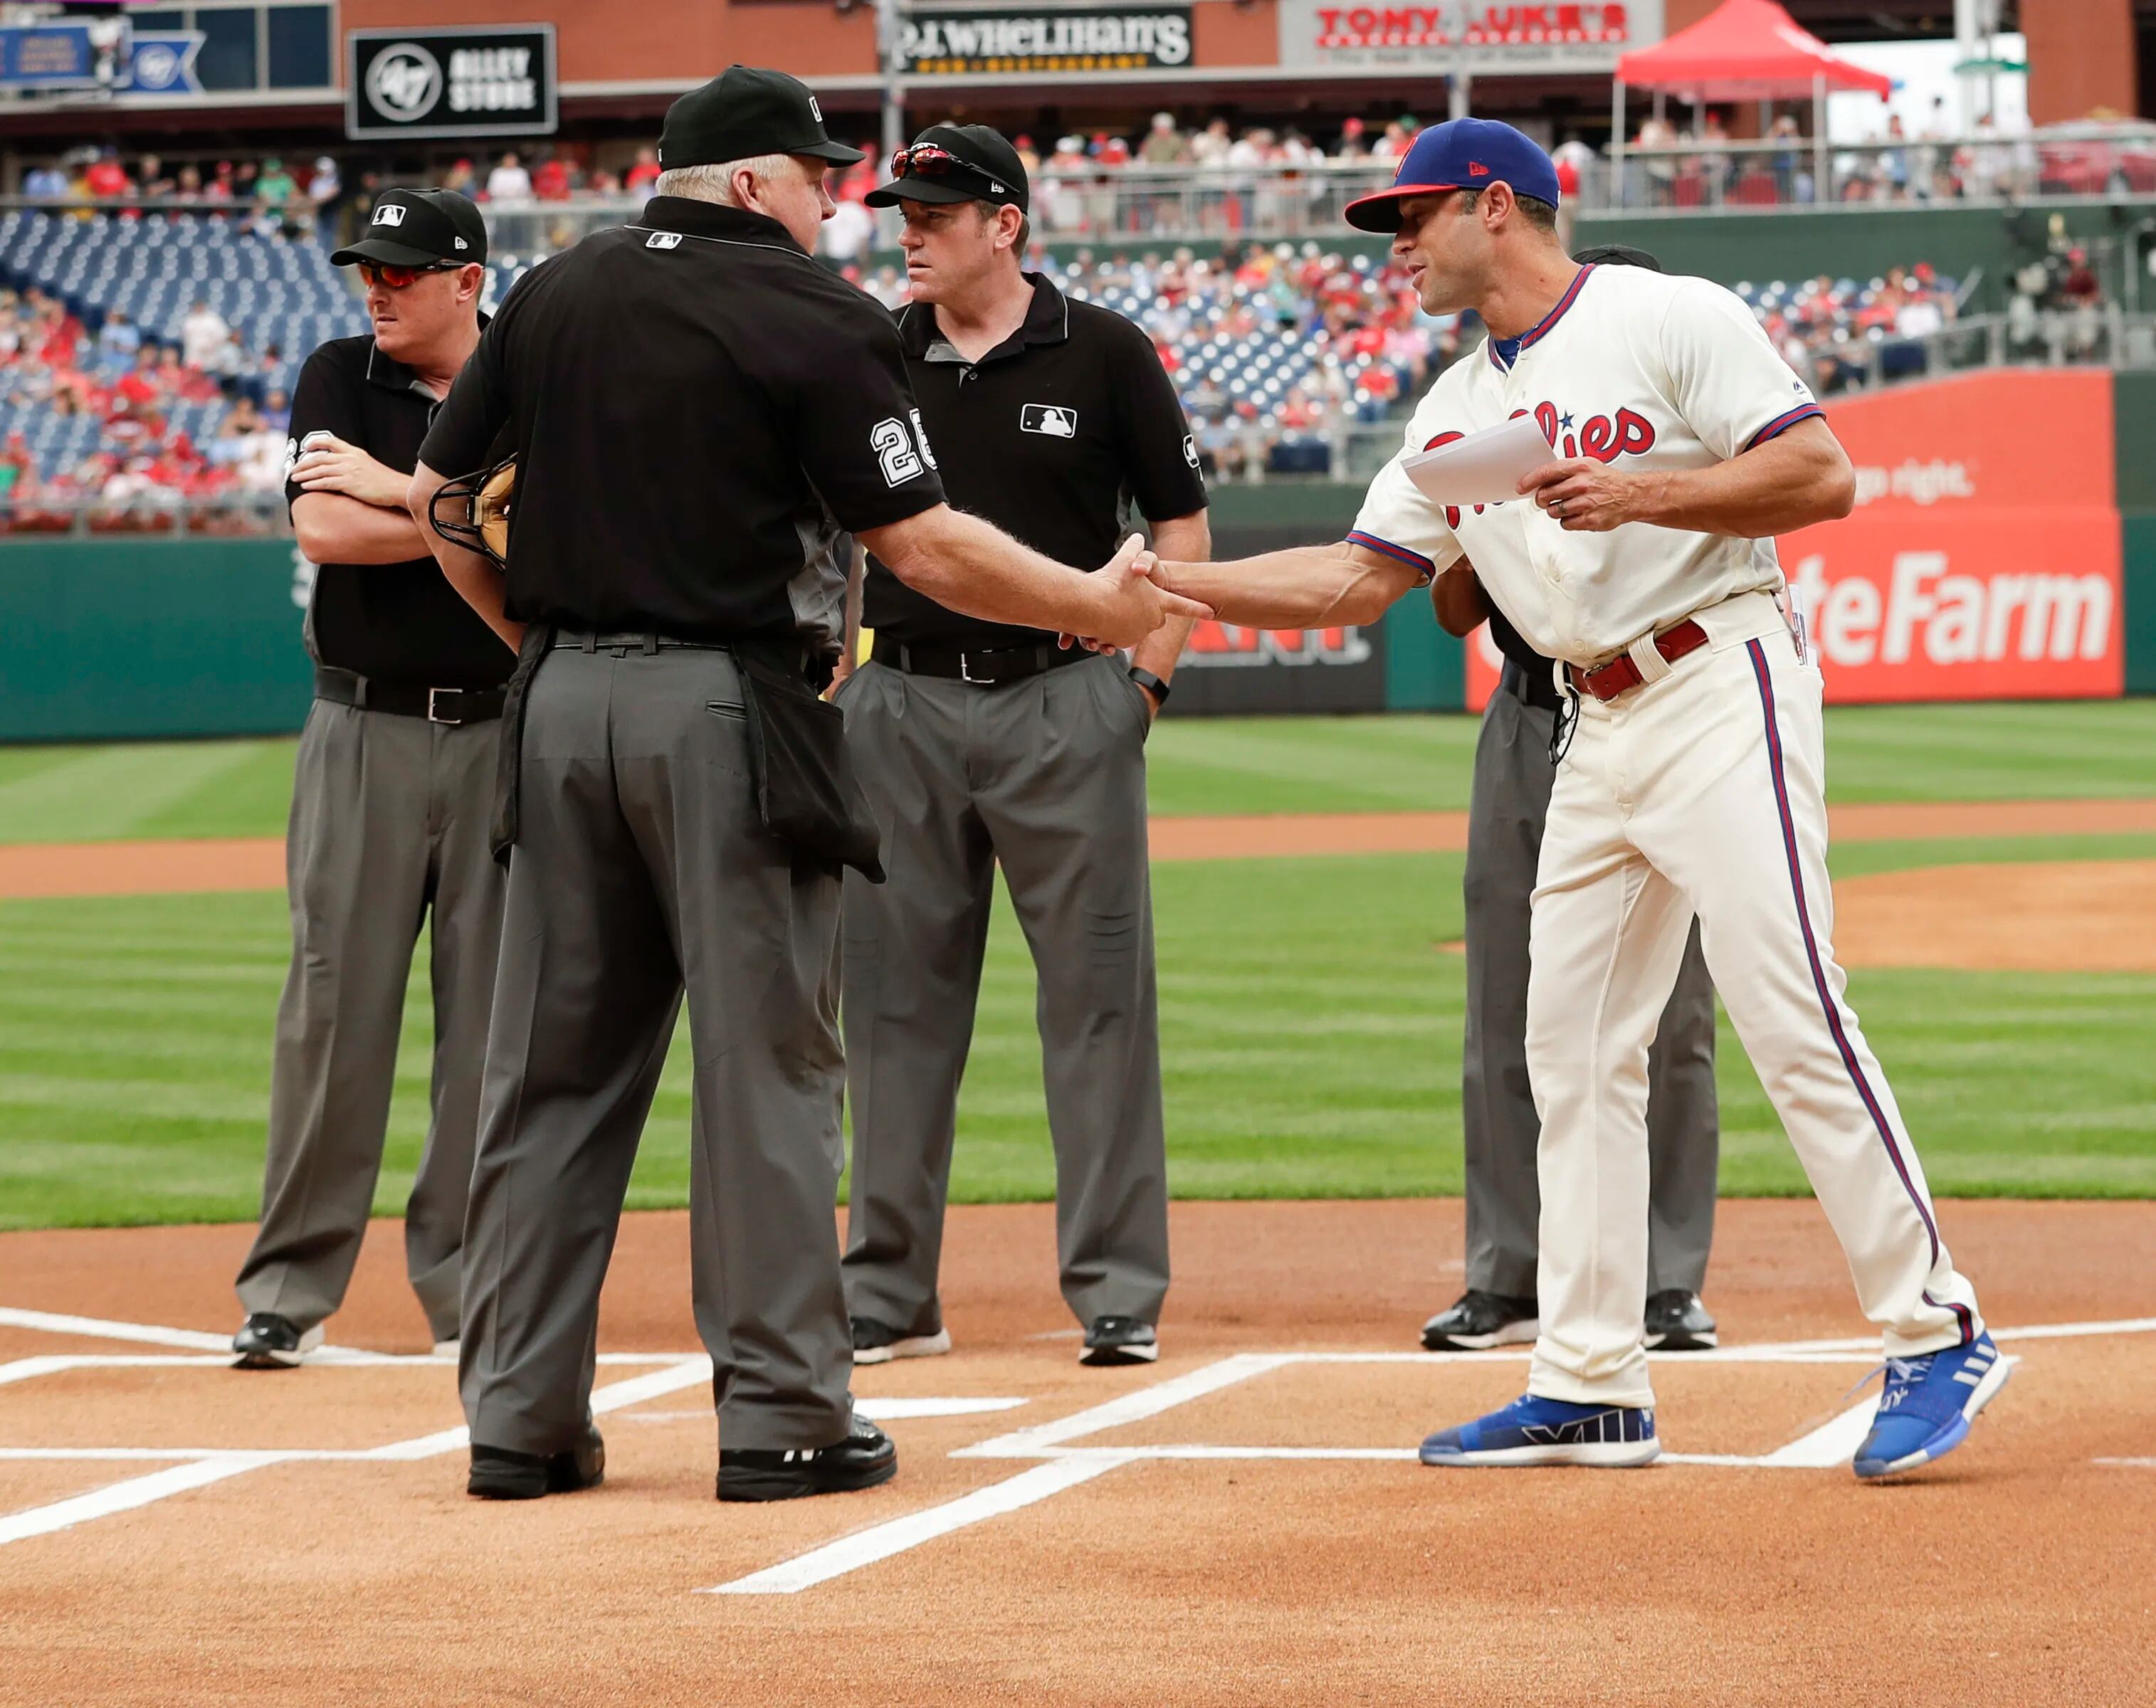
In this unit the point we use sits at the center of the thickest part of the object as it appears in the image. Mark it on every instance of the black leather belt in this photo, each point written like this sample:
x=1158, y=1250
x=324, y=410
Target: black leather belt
x=410, y=699
x=1536, y=687
x=985, y=666
x=815, y=667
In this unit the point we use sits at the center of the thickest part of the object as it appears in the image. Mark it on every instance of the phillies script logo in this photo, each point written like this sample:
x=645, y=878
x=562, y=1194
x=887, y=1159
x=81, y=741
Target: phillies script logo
x=1605, y=437
x=1213, y=643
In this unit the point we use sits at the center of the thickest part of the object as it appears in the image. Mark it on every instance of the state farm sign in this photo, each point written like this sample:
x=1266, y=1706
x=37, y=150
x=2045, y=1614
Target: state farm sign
x=1978, y=565
x=1467, y=35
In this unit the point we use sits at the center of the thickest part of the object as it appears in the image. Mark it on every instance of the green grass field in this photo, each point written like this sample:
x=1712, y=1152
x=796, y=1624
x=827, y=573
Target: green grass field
x=1199, y=765
x=1310, y=1021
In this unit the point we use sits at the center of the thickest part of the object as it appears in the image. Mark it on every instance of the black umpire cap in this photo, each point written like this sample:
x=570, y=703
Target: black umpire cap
x=745, y=111
x=418, y=228
x=955, y=163
x=1617, y=255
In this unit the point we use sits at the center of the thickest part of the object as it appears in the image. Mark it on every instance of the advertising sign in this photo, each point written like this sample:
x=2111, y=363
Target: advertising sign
x=56, y=55
x=1981, y=561
x=1473, y=36
x=934, y=44
x=476, y=80
x=1225, y=668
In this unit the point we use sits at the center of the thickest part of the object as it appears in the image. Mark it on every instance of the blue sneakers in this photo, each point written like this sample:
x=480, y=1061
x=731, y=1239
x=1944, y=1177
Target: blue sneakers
x=1535, y=1431
x=1929, y=1402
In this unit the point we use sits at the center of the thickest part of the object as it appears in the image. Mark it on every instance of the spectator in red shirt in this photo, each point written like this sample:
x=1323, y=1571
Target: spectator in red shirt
x=644, y=173
x=139, y=385
x=107, y=180
x=550, y=181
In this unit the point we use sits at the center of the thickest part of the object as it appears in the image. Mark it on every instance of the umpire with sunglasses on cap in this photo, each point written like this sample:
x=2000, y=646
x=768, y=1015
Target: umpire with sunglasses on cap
x=390, y=801
x=1508, y=807
x=697, y=410
x=983, y=743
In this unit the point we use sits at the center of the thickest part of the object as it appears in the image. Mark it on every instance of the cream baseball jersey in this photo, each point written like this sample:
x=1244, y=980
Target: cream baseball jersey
x=1632, y=368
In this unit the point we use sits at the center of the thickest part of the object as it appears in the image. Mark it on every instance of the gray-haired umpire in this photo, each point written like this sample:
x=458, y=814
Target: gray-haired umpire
x=390, y=799
x=983, y=744
x=697, y=409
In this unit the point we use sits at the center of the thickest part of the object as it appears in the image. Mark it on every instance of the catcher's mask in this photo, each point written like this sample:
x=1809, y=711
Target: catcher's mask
x=479, y=517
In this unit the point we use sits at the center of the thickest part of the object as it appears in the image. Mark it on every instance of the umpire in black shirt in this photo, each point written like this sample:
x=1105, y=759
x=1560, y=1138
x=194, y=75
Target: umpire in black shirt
x=983, y=743
x=390, y=802
x=698, y=409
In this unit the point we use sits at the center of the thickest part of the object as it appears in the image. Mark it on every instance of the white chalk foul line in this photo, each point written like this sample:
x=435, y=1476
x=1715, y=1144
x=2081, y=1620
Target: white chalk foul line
x=218, y=1464
x=882, y=1541
x=123, y=1496
x=99, y=1328
x=1130, y=1407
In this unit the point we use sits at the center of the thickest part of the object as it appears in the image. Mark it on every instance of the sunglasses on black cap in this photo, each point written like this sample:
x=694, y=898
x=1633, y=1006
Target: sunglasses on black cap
x=395, y=278
x=939, y=166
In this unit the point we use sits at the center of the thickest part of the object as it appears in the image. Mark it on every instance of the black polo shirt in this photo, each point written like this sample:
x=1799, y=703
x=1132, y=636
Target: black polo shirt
x=391, y=622
x=698, y=410
x=1533, y=674
x=1051, y=436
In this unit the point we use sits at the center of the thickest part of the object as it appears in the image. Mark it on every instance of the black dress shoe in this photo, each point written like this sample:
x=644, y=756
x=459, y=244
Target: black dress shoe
x=269, y=1341
x=866, y=1457
x=1119, y=1340
x=502, y=1474
x=1479, y=1321
x=1677, y=1322
x=879, y=1343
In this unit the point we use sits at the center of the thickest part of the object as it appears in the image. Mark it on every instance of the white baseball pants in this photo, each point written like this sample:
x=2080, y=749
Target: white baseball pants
x=1704, y=792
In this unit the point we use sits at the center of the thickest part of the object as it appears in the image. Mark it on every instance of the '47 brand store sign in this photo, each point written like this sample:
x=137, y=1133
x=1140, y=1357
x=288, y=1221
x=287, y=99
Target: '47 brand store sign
x=1091, y=38
x=1467, y=35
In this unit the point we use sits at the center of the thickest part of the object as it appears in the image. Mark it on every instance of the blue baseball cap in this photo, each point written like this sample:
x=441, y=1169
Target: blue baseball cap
x=1460, y=154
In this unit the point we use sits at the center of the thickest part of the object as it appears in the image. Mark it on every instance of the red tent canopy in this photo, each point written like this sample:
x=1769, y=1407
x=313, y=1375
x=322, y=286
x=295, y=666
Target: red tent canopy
x=1745, y=50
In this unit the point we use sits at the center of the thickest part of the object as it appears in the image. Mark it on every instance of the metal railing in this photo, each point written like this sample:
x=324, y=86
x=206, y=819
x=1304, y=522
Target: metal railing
x=1794, y=172
x=155, y=513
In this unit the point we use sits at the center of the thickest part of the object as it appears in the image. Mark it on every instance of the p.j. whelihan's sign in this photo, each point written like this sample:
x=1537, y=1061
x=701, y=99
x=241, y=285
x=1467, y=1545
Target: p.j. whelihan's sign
x=1089, y=38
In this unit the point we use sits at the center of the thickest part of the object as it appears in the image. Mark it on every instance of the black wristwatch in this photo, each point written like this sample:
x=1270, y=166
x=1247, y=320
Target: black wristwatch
x=1152, y=684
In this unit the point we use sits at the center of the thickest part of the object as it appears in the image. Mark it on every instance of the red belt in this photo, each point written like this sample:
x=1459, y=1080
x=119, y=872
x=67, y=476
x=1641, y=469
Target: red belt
x=1621, y=675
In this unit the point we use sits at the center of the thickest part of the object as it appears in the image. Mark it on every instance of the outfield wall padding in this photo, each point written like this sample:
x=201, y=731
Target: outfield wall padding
x=136, y=639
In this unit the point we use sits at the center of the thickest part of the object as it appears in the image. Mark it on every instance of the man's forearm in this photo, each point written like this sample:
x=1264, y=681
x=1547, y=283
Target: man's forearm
x=1190, y=539
x=334, y=528
x=473, y=576
x=1787, y=483
x=1304, y=587
x=973, y=567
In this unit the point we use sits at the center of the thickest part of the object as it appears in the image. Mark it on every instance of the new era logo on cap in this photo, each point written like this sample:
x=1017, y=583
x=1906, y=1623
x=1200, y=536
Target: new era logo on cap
x=1475, y=169
x=389, y=213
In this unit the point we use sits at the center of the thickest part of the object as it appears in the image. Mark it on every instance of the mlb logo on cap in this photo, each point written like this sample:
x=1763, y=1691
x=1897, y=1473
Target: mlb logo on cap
x=1461, y=154
x=389, y=213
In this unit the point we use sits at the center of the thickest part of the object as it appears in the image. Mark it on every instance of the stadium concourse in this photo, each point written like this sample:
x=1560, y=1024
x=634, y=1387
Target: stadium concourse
x=146, y=357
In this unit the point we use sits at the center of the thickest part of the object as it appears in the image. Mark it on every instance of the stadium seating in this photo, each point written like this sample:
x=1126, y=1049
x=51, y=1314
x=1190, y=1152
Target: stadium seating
x=1278, y=346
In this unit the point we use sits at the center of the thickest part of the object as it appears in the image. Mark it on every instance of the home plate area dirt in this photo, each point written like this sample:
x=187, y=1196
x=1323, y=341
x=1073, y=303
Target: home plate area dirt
x=1243, y=1523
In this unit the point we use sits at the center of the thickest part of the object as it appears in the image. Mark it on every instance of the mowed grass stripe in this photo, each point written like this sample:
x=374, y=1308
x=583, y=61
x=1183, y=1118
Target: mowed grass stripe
x=1408, y=763
x=1311, y=1031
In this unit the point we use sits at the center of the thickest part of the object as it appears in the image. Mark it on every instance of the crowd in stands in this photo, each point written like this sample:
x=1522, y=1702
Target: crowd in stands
x=1279, y=350
x=169, y=425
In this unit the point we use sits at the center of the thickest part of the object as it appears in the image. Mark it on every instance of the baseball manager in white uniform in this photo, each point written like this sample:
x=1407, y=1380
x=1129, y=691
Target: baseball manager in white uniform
x=1642, y=558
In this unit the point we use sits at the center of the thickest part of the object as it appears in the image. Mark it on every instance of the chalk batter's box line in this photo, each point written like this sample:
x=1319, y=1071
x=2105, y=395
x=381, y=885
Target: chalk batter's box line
x=1062, y=1465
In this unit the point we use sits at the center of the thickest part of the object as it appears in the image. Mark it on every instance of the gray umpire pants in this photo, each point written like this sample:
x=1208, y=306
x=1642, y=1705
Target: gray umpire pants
x=1046, y=777
x=389, y=823
x=641, y=864
x=1508, y=807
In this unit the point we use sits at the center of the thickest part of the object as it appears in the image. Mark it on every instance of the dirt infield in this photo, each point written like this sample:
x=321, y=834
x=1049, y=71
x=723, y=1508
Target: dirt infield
x=1239, y=1524
x=2054, y=916
x=30, y=870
